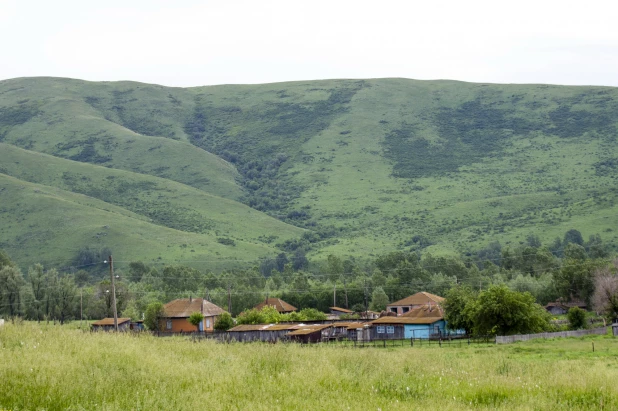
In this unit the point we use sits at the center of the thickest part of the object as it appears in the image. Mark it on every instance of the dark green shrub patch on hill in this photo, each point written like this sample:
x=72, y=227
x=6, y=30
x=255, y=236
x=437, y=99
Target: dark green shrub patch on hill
x=16, y=115
x=262, y=150
x=127, y=194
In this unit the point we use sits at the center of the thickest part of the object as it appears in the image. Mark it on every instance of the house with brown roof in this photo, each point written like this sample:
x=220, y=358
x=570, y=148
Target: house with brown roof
x=423, y=321
x=177, y=313
x=560, y=307
x=278, y=304
x=107, y=324
x=416, y=300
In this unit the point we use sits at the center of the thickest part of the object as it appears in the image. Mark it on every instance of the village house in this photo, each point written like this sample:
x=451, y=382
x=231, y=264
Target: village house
x=560, y=307
x=107, y=324
x=278, y=304
x=416, y=300
x=426, y=321
x=177, y=313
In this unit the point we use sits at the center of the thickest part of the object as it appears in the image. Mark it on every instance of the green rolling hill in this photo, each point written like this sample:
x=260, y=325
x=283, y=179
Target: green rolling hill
x=338, y=166
x=49, y=225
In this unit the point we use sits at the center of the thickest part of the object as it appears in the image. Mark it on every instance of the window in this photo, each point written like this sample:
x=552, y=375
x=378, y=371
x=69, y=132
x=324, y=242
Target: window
x=380, y=329
x=393, y=309
x=169, y=324
x=405, y=309
x=208, y=323
x=390, y=329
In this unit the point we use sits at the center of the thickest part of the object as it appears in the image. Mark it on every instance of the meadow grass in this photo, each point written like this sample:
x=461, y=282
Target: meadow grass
x=54, y=367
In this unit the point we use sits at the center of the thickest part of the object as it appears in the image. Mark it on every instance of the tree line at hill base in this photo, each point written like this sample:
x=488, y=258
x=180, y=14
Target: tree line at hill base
x=570, y=269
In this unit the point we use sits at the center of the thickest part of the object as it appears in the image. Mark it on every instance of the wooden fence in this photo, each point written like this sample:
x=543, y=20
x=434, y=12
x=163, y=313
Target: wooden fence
x=507, y=339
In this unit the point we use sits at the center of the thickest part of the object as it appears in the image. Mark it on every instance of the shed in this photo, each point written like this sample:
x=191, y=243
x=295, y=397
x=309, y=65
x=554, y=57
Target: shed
x=246, y=332
x=560, y=307
x=310, y=333
x=338, y=311
x=107, y=324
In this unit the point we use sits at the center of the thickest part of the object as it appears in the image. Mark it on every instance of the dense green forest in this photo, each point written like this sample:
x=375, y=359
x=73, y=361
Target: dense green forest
x=566, y=269
x=221, y=178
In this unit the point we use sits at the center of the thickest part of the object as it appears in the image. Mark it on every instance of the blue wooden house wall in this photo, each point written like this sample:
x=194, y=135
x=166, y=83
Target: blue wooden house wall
x=424, y=330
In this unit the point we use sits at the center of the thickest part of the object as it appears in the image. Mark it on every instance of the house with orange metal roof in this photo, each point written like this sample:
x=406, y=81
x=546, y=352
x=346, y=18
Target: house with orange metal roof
x=177, y=313
x=278, y=304
x=416, y=300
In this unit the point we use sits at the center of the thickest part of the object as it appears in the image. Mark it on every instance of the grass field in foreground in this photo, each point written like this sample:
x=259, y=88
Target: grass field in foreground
x=51, y=367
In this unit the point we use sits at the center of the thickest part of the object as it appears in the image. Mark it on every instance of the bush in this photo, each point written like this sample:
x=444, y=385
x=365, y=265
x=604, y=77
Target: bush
x=224, y=322
x=577, y=318
x=153, y=314
x=196, y=318
x=226, y=241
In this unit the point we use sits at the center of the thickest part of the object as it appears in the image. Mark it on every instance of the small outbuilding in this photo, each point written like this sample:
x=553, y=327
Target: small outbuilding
x=338, y=311
x=560, y=307
x=107, y=324
x=310, y=333
x=260, y=332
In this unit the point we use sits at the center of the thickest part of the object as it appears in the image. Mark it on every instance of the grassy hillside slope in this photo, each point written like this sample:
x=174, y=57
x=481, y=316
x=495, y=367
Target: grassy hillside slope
x=162, y=202
x=60, y=117
x=45, y=224
x=366, y=166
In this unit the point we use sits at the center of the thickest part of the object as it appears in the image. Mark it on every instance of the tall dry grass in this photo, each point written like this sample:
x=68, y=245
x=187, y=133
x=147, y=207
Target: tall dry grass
x=51, y=367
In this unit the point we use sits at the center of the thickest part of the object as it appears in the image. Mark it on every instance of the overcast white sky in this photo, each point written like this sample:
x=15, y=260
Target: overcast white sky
x=191, y=43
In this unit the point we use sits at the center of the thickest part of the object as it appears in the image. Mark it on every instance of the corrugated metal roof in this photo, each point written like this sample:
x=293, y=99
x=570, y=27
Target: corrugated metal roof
x=210, y=309
x=309, y=328
x=110, y=321
x=249, y=327
x=418, y=299
x=305, y=331
x=355, y=326
x=277, y=303
x=426, y=311
x=265, y=327
x=420, y=315
x=343, y=310
x=184, y=307
x=345, y=323
x=281, y=327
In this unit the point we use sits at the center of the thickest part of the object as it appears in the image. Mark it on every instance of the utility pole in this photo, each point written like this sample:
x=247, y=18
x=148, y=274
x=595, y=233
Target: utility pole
x=111, y=275
x=229, y=297
x=81, y=307
x=365, y=290
x=335, y=295
x=345, y=290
